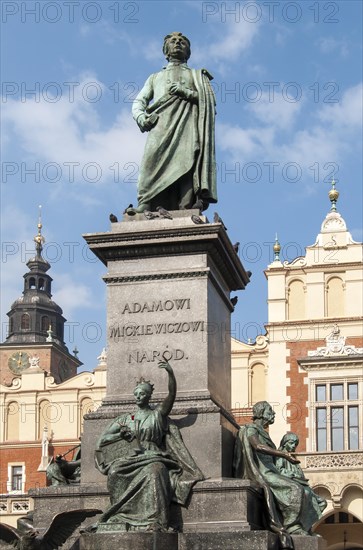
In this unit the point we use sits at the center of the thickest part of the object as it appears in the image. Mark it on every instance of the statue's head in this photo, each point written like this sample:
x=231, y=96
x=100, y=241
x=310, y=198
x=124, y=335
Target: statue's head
x=289, y=442
x=143, y=391
x=263, y=410
x=176, y=46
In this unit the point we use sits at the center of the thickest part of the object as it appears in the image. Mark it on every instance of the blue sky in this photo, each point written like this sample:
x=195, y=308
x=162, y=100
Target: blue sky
x=288, y=83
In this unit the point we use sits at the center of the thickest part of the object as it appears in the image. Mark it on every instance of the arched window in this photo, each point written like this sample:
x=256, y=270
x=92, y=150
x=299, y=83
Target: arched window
x=296, y=300
x=25, y=321
x=41, y=284
x=44, y=417
x=11, y=325
x=87, y=406
x=12, y=421
x=340, y=517
x=45, y=323
x=59, y=330
x=335, y=297
x=258, y=383
x=32, y=282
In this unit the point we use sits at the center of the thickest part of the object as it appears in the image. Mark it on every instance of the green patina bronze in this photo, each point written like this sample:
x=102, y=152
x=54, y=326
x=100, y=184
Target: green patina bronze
x=176, y=106
x=292, y=507
x=147, y=464
x=294, y=471
x=63, y=472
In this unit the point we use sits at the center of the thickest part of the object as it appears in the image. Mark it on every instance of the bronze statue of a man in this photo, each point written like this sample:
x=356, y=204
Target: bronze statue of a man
x=176, y=107
x=291, y=506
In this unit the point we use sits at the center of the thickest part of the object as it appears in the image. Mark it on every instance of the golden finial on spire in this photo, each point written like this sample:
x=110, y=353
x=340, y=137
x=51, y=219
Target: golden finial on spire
x=333, y=196
x=276, y=249
x=39, y=239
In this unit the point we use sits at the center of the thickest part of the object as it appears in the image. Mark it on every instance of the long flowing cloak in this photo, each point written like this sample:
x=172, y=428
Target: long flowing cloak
x=142, y=486
x=288, y=506
x=181, y=142
x=295, y=471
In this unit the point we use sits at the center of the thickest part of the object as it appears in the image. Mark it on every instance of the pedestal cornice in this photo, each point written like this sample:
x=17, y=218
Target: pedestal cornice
x=124, y=243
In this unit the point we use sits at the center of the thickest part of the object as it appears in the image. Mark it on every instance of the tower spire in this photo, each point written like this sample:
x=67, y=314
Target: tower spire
x=333, y=196
x=276, y=248
x=39, y=239
x=32, y=314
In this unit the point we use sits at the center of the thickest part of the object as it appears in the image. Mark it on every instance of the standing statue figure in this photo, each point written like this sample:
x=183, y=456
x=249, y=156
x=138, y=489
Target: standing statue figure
x=146, y=463
x=289, y=443
x=290, y=508
x=178, y=169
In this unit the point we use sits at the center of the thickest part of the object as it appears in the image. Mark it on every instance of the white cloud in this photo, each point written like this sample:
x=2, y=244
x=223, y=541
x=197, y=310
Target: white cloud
x=235, y=39
x=71, y=132
x=152, y=51
x=276, y=110
x=257, y=69
x=348, y=112
x=330, y=45
x=72, y=296
x=328, y=140
x=244, y=143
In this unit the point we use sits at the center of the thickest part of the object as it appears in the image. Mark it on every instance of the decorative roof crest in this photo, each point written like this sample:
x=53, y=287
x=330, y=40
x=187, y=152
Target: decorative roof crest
x=335, y=345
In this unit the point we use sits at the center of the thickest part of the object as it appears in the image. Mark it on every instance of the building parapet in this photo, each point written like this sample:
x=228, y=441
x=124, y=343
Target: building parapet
x=322, y=461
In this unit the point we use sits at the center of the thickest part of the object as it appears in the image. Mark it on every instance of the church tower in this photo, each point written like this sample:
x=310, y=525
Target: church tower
x=36, y=325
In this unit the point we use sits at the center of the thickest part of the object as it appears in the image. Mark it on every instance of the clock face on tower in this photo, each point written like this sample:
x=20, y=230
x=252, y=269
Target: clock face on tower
x=18, y=362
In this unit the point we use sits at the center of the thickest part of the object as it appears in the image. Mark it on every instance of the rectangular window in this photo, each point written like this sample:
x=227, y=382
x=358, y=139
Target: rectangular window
x=336, y=392
x=337, y=411
x=321, y=392
x=321, y=429
x=353, y=428
x=352, y=392
x=16, y=478
x=337, y=429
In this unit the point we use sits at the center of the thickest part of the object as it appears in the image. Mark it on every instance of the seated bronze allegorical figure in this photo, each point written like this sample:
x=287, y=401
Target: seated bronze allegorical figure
x=290, y=507
x=294, y=471
x=146, y=462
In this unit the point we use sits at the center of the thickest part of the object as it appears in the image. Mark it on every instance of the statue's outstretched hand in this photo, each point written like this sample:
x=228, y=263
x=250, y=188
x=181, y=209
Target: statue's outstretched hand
x=291, y=458
x=165, y=365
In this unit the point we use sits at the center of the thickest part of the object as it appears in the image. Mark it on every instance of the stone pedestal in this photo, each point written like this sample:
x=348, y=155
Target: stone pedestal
x=234, y=540
x=49, y=501
x=309, y=543
x=169, y=285
x=216, y=506
x=221, y=505
x=254, y=540
x=128, y=541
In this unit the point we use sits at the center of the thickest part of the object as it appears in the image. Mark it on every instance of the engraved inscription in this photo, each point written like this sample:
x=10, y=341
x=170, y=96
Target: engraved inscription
x=157, y=305
x=133, y=330
x=147, y=356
